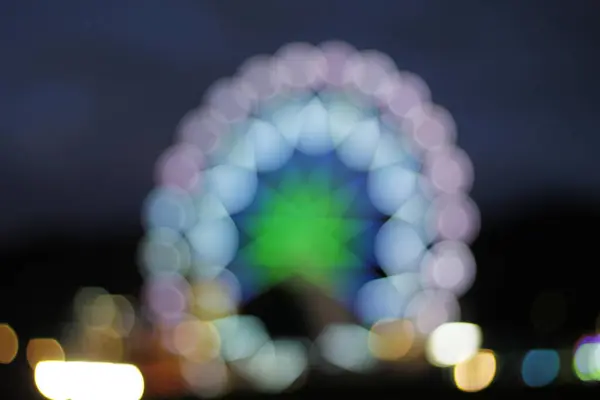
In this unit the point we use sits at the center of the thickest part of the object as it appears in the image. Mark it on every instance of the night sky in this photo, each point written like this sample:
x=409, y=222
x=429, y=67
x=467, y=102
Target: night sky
x=91, y=91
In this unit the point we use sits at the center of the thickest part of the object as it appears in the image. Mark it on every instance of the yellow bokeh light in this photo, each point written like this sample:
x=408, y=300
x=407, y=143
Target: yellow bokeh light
x=9, y=344
x=59, y=380
x=197, y=340
x=477, y=373
x=44, y=349
x=390, y=340
x=211, y=300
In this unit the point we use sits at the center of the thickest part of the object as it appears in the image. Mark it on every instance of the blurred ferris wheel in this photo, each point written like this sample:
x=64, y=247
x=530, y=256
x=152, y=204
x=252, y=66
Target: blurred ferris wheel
x=320, y=162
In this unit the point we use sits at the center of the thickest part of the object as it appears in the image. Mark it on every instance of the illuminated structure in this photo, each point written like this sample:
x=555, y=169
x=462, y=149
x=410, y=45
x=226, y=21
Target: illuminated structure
x=322, y=162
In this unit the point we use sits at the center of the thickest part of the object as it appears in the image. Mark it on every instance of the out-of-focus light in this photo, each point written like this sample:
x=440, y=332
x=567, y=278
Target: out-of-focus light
x=60, y=380
x=206, y=379
x=96, y=309
x=169, y=208
x=386, y=298
x=449, y=266
x=339, y=119
x=197, y=340
x=476, y=373
x=167, y=297
x=398, y=246
x=9, y=344
x=450, y=170
x=586, y=362
x=179, y=167
x=84, y=299
x=390, y=340
x=241, y=336
x=414, y=174
x=346, y=346
x=103, y=345
x=276, y=366
x=432, y=308
x=215, y=298
x=125, y=320
x=453, y=343
x=214, y=239
x=540, y=367
x=44, y=349
x=102, y=312
x=164, y=251
x=457, y=218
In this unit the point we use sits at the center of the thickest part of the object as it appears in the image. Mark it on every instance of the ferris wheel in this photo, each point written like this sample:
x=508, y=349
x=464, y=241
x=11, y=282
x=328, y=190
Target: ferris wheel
x=324, y=163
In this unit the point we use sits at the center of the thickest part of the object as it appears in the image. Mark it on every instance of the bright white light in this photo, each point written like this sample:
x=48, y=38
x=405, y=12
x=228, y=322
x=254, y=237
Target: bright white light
x=453, y=343
x=79, y=380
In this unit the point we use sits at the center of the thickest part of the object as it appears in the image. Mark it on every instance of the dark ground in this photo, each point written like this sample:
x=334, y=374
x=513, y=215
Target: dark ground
x=551, y=246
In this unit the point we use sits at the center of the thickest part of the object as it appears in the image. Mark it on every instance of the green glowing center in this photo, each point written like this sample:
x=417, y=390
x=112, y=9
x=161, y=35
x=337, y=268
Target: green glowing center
x=302, y=230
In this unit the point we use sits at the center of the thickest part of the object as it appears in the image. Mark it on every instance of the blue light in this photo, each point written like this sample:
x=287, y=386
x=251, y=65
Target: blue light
x=540, y=367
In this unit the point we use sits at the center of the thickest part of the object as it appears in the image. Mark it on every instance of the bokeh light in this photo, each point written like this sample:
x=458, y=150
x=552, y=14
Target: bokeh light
x=540, y=367
x=207, y=379
x=391, y=340
x=215, y=298
x=476, y=373
x=44, y=349
x=320, y=162
x=334, y=344
x=275, y=366
x=586, y=360
x=241, y=336
x=101, y=327
x=196, y=340
x=453, y=343
x=9, y=344
x=81, y=380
